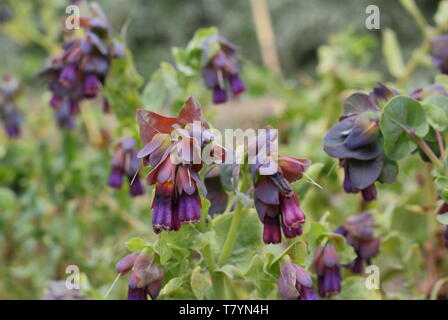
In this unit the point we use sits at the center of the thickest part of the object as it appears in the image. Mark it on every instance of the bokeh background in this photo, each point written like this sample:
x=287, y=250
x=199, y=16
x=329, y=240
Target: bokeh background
x=55, y=206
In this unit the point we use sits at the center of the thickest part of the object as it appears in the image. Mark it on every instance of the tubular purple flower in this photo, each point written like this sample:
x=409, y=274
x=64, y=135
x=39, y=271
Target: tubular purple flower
x=136, y=187
x=236, y=85
x=164, y=215
x=291, y=213
x=271, y=230
x=369, y=193
x=116, y=178
x=327, y=267
x=125, y=264
x=55, y=101
x=91, y=85
x=295, y=283
x=68, y=75
x=219, y=95
x=189, y=208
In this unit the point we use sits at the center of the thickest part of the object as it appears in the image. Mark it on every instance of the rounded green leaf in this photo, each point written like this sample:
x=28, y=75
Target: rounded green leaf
x=402, y=115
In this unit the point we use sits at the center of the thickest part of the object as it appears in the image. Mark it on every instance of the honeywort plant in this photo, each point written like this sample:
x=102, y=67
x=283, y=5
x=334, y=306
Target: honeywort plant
x=82, y=68
x=255, y=229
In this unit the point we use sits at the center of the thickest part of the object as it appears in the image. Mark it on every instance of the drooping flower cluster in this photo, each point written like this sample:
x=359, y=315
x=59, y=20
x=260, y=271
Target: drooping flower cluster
x=276, y=202
x=126, y=163
x=358, y=230
x=328, y=269
x=219, y=68
x=173, y=148
x=439, y=46
x=295, y=283
x=9, y=113
x=81, y=69
x=146, y=277
x=356, y=141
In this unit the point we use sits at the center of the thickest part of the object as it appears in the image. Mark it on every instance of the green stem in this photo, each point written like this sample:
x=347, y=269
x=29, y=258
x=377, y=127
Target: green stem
x=231, y=235
x=217, y=278
x=427, y=150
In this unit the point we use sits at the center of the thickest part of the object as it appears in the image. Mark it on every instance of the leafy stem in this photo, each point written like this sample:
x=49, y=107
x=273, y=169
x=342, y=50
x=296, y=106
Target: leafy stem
x=233, y=231
x=427, y=150
x=217, y=279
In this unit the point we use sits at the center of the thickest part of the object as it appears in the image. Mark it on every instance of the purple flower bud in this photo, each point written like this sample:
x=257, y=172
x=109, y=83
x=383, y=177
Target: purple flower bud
x=189, y=208
x=137, y=294
x=295, y=283
x=236, y=85
x=164, y=215
x=91, y=85
x=136, y=188
x=292, y=215
x=292, y=232
x=55, y=101
x=68, y=75
x=116, y=177
x=219, y=95
x=347, y=182
x=369, y=193
x=271, y=230
x=125, y=264
x=13, y=130
x=326, y=265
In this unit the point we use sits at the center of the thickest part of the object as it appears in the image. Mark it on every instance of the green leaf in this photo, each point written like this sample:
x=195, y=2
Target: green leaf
x=354, y=288
x=8, y=199
x=122, y=87
x=436, y=109
x=263, y=281
x=135, y=244
x=248, y=240
x=172, y=286
x=392, y=53
x=389, y=172
x=163, y=250
x=162, y=89
x=413, y=261
x=443, y=218
x=401, y=115
x=200, y=283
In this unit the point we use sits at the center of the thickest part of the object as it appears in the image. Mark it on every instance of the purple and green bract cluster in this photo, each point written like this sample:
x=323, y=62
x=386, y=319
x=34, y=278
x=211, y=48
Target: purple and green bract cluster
x=356, y=141
x=219, y=68
x=81, y=69
x=146, y=276
x=295, y=283
x=359, y=232
x=176, y=200
x=9, y=113
x=125, y=163
x=276, y=202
